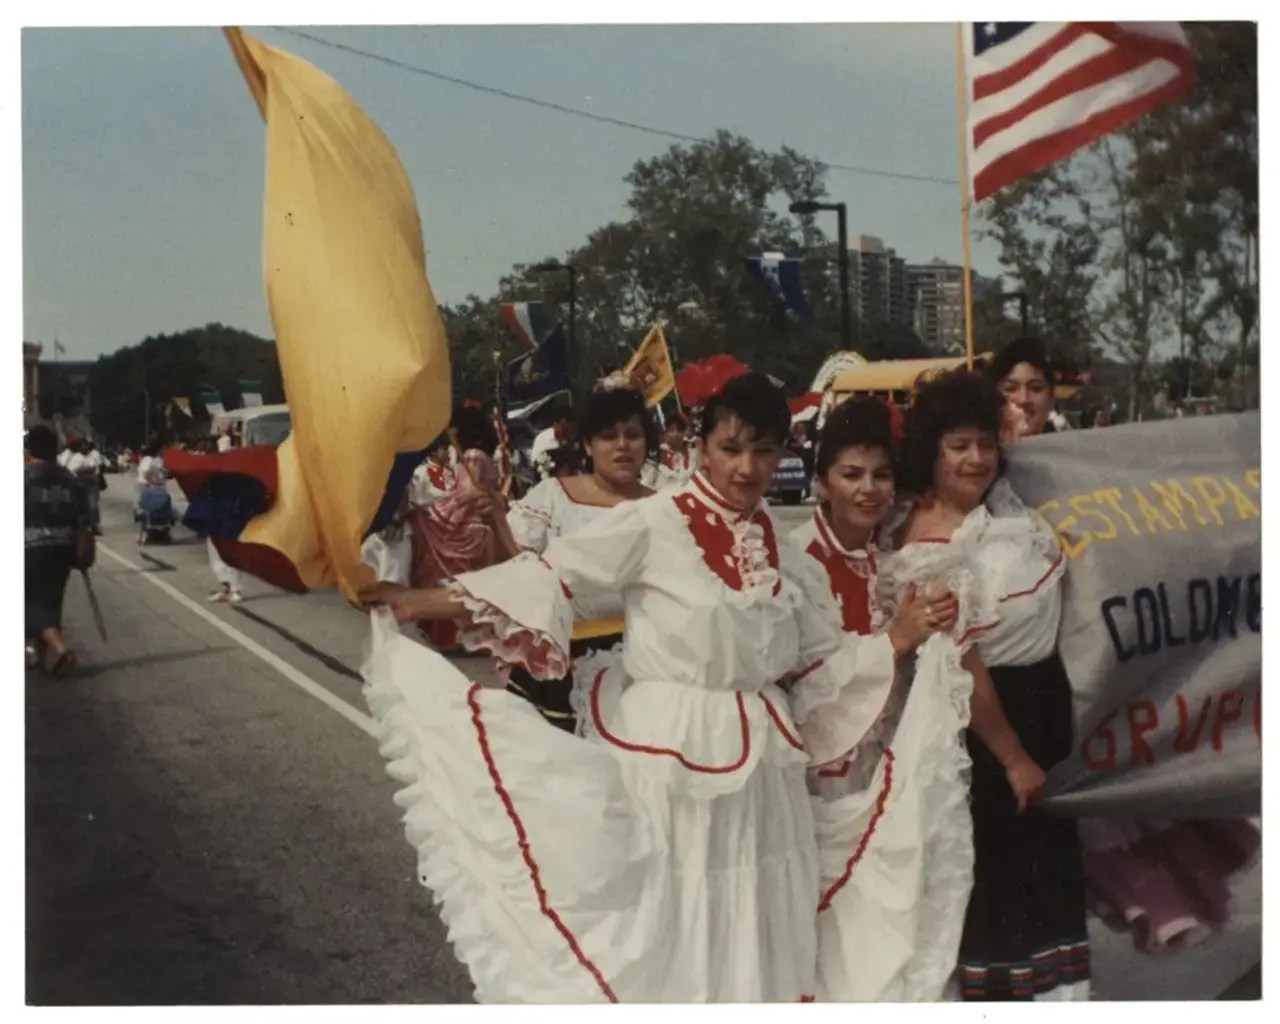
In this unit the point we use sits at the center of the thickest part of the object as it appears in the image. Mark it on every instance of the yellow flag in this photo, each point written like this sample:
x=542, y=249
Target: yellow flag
x=650, y=367
x=361, y=344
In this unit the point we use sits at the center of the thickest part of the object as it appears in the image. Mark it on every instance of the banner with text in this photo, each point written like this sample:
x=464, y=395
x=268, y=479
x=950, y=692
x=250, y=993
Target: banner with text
x=1162, y=612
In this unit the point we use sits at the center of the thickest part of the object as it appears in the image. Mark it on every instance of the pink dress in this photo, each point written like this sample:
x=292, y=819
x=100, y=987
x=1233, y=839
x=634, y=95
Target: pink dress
x=1165, y=882
x=449, y=538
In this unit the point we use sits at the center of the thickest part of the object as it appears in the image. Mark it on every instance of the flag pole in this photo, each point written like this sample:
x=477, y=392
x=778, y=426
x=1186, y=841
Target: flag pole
x=962, y=151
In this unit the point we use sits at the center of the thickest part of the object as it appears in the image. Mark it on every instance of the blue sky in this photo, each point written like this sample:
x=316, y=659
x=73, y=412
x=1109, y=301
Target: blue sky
x=143, y=154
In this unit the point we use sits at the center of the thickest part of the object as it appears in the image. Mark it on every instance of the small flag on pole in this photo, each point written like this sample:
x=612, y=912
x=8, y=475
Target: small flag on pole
x=529, y=321
x=1038, y=91
x=539, y=373
x=781, y=275
x=650, y=367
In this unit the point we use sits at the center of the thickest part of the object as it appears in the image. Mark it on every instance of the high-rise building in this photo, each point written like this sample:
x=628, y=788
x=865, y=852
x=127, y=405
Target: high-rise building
x=937, y=298
x=878, y=285
x=878, y=277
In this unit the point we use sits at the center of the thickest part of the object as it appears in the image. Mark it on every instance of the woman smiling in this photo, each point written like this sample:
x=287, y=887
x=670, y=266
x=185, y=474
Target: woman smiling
x=670, y=856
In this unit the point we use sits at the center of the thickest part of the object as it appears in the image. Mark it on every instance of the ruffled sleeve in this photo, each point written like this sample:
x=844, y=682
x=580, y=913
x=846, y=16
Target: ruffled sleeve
x=844, y=680
x=522, y=611
x=529, y=519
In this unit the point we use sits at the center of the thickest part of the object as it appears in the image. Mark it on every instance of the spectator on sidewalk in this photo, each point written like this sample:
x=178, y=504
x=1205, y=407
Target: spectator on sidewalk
x=57, y=539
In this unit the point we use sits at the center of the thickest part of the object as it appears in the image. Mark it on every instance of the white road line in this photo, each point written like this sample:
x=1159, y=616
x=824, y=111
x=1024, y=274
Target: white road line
x=299, y=679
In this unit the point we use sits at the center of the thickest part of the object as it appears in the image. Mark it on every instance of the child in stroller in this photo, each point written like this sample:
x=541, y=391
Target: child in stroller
x=154, y=512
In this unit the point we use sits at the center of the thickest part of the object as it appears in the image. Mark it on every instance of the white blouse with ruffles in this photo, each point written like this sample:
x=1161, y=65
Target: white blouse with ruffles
x=670, y=855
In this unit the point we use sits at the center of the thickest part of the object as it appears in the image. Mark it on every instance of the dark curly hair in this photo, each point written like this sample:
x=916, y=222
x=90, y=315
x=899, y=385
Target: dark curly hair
x=755, y=402
x=1021, y=350
x=604, y=410
x=952, y=401
x=42, y=443
x=860, y=422
x=474, y=430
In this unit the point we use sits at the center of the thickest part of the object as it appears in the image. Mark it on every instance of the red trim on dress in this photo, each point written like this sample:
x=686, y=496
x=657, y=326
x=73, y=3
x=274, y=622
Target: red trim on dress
x=564, y=587
x=837, y=773
x=810, y=670
x=582, y=504
x=522, y=838
x=861, y=849
x=440, y=477
x=850, y=589
x=637, y=748
x=718, y=543
x=714, y=497
x=795, y=741
x=1038, y=584
x=973, y=631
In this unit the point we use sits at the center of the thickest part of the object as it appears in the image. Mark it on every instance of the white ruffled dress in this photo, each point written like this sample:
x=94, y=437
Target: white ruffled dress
x=671, y=855
x=549, y=511
x=892, y=819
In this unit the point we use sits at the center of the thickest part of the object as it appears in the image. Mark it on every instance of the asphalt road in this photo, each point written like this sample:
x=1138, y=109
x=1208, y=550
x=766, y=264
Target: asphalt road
x=209, y=822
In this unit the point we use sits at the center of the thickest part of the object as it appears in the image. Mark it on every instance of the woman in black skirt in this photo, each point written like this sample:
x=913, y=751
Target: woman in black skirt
x=1025, y=931
x=617, y=435
x=56, y=526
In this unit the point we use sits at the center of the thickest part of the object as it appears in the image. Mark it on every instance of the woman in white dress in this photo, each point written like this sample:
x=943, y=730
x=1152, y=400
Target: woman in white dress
x=677, y=461
x=1024, y=933
x=892, y=817
x=616, y=434
x=670, y=856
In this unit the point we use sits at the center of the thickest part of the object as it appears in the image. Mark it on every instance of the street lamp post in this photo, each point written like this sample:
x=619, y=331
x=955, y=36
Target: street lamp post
x=146, y=418
x=1022, y=307
x=555, y=266
x=810, y=207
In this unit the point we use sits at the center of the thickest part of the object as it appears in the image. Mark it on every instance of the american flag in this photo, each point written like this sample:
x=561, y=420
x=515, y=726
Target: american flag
x=1039, y=91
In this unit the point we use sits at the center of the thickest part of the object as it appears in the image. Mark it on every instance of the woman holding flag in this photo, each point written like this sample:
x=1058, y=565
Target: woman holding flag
x=671, y=856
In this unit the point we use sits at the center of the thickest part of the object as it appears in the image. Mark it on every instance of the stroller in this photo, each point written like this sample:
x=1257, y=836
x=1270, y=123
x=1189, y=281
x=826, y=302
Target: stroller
x=154, y=513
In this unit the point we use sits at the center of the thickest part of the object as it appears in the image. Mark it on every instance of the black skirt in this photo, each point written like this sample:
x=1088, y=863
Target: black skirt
x=47, y=571
x=1025, y=930
x=551, y=696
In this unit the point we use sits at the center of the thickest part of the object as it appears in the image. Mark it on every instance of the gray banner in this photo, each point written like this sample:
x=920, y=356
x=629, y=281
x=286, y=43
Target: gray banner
x=1162, y=607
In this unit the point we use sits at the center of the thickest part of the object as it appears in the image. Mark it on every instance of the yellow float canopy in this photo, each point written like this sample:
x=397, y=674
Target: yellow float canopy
x=897, y=374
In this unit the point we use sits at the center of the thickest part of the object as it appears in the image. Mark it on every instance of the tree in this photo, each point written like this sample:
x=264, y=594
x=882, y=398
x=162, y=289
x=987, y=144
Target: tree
x=697, y=212
x=476, y=331
x=124, y=384
x=1150, y=235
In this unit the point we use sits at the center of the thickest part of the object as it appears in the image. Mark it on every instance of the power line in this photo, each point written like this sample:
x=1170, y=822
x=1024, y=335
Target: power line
x=560, y=108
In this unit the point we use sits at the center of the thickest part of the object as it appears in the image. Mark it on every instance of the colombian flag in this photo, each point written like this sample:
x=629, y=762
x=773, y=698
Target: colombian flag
x=361, y=344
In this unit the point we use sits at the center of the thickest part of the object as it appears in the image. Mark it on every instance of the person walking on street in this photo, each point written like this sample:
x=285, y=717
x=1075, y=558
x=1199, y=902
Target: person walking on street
x=85, y=464
x=57, y=539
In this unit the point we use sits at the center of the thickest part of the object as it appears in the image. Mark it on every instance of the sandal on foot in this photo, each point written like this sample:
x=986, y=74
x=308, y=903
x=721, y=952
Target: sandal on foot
x=65, y=663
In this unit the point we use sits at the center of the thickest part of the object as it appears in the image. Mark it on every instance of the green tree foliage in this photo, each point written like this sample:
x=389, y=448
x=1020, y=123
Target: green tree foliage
x=1146, y=243
x=1142, y=248
x=170, y=366
x=697, y=212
